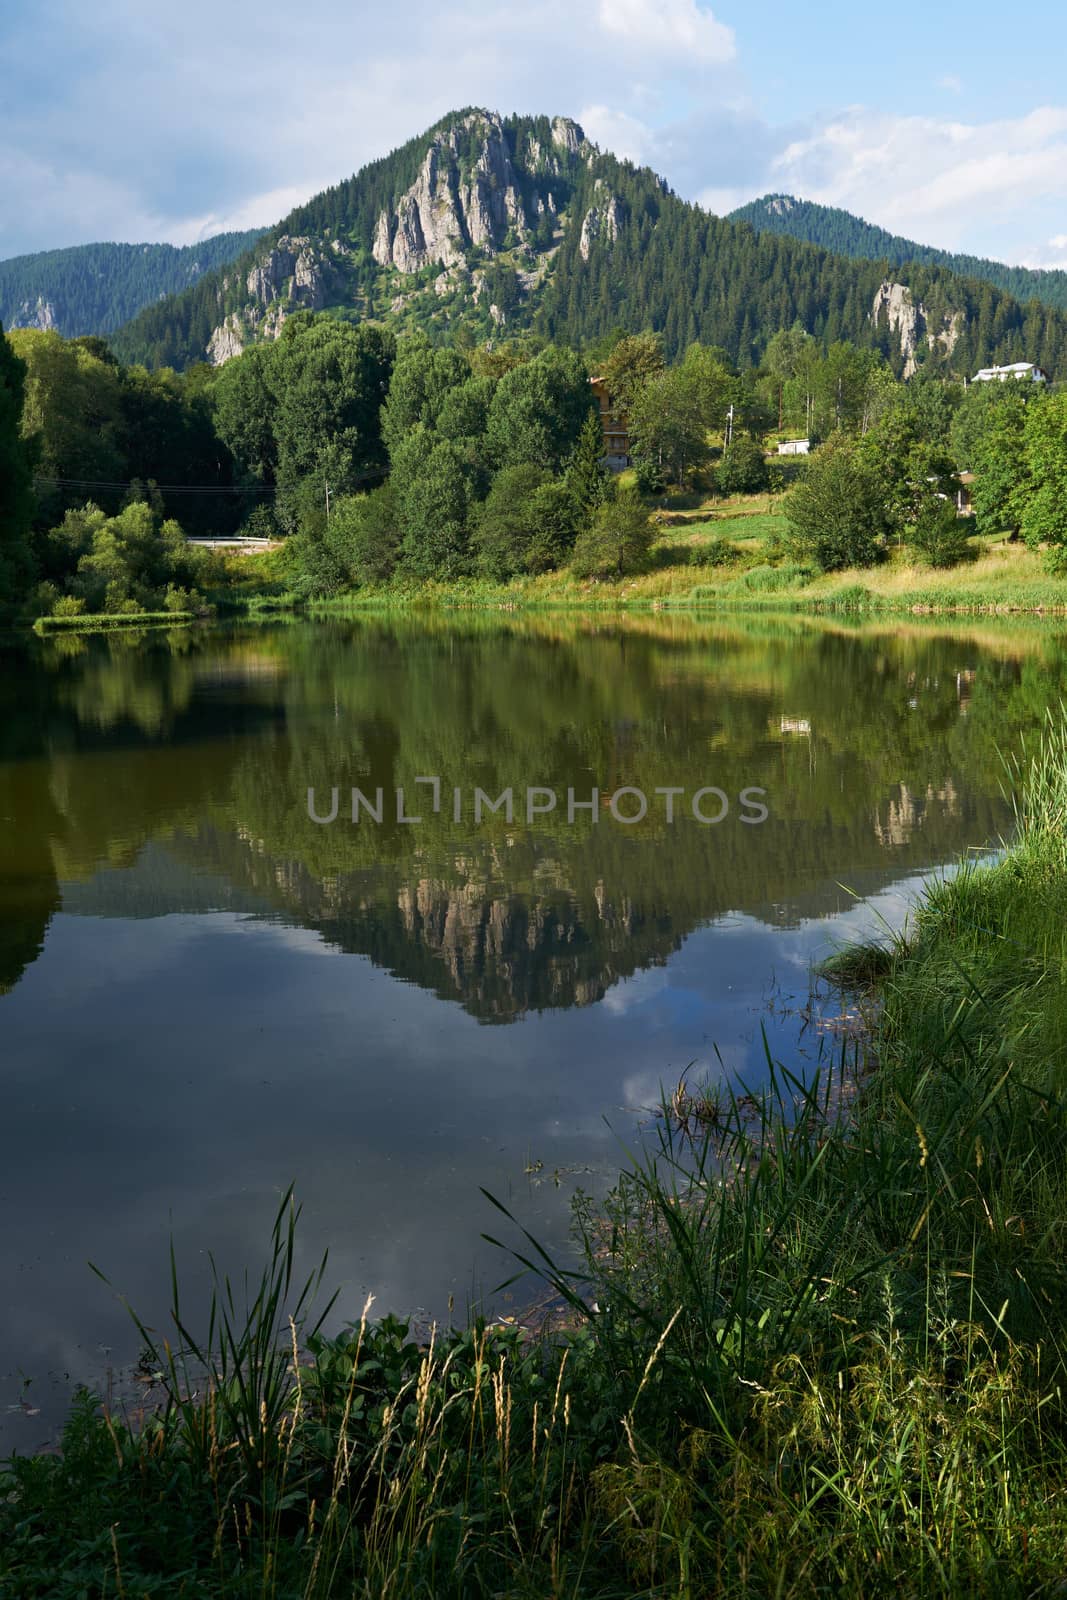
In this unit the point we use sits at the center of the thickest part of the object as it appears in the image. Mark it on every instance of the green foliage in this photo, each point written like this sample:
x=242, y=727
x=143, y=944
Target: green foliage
x=329, y=381
x=242, y=399
x=743, y=469
x=132, y=561
x=837, y=512
x=633, y=362
x=939, y=535
x=999, y=461
x=846, y=235
x=537, y=411
x=421, y=380
x=16, y=487
x=94, y=288
x=587, y=479
x=1044, y=512
x=911, y=460
x=675, y=413
x=432, y=484
x=364, y=535
x=617, y=543
x=97, y=428
x=528, y=523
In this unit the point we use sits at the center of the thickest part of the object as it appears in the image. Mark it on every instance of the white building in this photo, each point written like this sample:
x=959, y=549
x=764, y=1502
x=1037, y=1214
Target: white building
x=794, y=447
x=1016, y=369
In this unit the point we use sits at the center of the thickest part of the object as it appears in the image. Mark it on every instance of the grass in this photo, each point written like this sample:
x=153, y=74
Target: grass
x=706, y=554
x=816, y=1343
x=98, y=622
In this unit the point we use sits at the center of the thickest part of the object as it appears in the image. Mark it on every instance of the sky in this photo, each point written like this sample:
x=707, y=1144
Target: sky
x=136, y=120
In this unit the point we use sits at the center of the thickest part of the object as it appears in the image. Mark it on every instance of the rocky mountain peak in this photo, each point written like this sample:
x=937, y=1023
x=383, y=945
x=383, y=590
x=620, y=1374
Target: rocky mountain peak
x=467, y=194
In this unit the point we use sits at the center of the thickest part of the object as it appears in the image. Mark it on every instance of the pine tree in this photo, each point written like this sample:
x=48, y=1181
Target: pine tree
x=585, y=475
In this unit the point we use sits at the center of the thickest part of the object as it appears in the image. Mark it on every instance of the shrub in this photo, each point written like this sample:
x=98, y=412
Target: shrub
x=715, y=553
x=617, y=543
x=69, y=605
x=767, y=579
x=939, y=536
x=837, y=511
x=743, y=469
x=364, y=535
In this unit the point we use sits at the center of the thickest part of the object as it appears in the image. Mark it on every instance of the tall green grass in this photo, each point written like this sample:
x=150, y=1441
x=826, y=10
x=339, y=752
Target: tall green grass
x=813, y=1344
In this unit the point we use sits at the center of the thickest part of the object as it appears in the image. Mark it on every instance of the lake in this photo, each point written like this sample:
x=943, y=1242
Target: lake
x=206, y=994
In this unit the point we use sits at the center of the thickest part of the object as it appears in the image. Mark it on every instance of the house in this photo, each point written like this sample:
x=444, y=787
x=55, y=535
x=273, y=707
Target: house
x=1015, y=369
x=613, y=426
x=795, y=447
x=964, y=494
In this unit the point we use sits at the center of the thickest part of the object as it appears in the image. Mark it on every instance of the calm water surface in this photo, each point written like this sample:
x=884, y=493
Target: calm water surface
x=205, y=996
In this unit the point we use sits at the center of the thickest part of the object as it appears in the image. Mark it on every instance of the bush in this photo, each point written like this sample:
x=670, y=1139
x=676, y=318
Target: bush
x=939, y=536
x=364, y=535
x=649, y=475
x=617, y=543
x=837, y=511
x=743, y=469
x=69, y=605
x=715, y=553
x=766, y=579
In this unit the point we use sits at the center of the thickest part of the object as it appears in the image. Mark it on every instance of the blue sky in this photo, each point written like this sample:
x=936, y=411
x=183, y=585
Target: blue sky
x=131, y=119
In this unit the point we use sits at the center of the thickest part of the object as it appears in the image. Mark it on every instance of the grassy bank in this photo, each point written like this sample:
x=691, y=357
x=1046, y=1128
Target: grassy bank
x=731, y=558
x=810, y=1354
x=104, y=621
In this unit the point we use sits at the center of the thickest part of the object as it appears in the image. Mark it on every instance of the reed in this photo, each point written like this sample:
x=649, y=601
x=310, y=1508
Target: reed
x=815, y=1341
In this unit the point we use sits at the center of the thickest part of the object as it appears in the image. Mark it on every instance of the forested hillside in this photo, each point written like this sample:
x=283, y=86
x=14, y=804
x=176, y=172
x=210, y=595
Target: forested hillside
x=486, y=226
x=848, y=235
x=94, y=288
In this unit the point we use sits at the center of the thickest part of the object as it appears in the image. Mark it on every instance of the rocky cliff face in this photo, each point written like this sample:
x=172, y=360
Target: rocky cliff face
x=293, y=275
x=482, y=190
x=895, y=304
x=455, y=204
x=41, y=314
x=602, y=221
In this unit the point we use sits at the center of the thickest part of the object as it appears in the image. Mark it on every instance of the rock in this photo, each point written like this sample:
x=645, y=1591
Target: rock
x=226, y=341
x=567, y=135
x=42, y=315
x=382, y=248
x=452, y=205
x=602, y=221
x=908, y=318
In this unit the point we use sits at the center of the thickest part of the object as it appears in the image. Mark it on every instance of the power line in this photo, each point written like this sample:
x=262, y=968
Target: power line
x=163, y=488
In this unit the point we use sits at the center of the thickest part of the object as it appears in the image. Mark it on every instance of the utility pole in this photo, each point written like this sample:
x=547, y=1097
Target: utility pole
x=327, y=483
x=729, y=428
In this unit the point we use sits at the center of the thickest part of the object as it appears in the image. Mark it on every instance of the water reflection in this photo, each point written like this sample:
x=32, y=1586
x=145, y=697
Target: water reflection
x=878, y=751
x=203, y=995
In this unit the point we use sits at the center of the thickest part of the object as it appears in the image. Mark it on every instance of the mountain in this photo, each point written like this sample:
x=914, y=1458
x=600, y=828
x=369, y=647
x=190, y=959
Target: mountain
x=95, y=288
x=848, y=235
x=488, y=224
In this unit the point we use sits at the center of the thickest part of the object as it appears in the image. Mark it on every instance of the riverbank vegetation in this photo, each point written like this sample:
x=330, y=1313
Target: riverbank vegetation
x=818, y=1347
x=375, y=468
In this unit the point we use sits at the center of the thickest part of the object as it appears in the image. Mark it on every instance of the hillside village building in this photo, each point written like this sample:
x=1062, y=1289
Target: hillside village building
x=614, y=428
x=1015, y=369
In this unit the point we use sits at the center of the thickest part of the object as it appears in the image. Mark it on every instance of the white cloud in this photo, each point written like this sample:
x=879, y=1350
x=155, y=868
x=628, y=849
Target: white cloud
x=274, y=125
x=937, y=179
x=665, y=27
x=262, y=211
x=617, y=131
x=950, y=82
